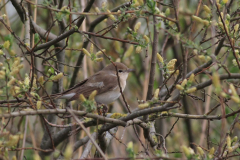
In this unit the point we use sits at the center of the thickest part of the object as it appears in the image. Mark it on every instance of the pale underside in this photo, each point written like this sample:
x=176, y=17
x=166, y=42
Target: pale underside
x=105, y=83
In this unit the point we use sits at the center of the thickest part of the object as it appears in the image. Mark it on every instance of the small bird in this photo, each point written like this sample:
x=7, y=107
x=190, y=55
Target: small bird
x=104, y=81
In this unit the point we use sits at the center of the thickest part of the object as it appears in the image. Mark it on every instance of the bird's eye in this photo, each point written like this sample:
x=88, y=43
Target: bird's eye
x=120, y=70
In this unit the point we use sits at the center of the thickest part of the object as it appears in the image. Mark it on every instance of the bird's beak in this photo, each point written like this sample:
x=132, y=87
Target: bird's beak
x=130, y=70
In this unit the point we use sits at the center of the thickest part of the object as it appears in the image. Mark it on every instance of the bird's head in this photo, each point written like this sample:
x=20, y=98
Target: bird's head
x=122, y=69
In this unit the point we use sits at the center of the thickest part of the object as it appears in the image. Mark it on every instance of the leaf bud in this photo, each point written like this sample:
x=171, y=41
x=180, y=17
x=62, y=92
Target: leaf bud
x=156, y=93
x=146, y=38
x=200, y=151
x=82, y=98
x=86, y=52
x=191, y=90
x=191, y=78
x=92, y=95
x=143, y=105
x=179, y=87
x=138, y=49
x=206, y=9
x=137, y=26
x=6, y=44
x=99, y=59
x=184, y=82
x=57, y=77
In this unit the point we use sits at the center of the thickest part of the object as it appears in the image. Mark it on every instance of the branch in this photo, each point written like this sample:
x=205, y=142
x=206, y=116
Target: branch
x=86, y=131
x=62, y=111
x=80, y=142
x=222, y=77
x=88, y=147
x=19, y=10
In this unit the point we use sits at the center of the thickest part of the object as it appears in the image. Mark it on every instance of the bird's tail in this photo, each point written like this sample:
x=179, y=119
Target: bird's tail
x=52, y=96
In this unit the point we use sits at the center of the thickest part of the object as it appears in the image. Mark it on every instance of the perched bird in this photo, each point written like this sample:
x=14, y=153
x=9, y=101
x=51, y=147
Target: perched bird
x=104, y=81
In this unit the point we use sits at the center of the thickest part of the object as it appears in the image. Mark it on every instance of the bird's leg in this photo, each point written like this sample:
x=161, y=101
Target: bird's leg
x=102, y=109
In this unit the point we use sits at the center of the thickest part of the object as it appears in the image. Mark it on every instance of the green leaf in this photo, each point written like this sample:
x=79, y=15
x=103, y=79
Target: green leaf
x=36, y=38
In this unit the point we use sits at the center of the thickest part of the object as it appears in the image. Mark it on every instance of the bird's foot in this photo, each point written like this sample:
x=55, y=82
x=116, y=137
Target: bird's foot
x=102, y=109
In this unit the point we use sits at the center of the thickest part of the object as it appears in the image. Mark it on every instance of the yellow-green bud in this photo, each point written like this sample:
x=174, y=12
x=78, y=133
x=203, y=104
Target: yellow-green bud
x=195, y=52
x=130, y=37
x=216, y=80
x=137, y=26
x=179, y=87
x=138, y=49
x=82, y=98
x=206, y=9
x=200, y=151
x=156, y=93
x=129, y=51
x=205, y=22
x=4, y=16
x=41, y=80
x=176, y=73
x=184, y=82
x=12, y=80
x=141, y=2
x=159, y=58
x=111, y=16
x=6, y=44
x=208, y=58
x=198, y=19
x=212, y=150
x=97, y=10
x=20, y=66
x=36, y=157
x=171, y=63
x=14, y=71
x=91, y=48
x=223, y=94
x=92, y=95
x=12, y=53
x=117, y=45
x=146, y=38
x=143, y=105
x=99, y=59
x=15, y=158
x=86, y=52
x=235, y=139
x=68, y=152
x=235, y=99
x=57, y=77
x=230, y=149
x=39, y=104
x=236, y=27
x=104, y=4
x=130, y=145
x=233, y=90
x=191, y=90
x=1, y=52
x=228, y=141
x=202, y=58
x=14, y=90
x=167, y=12
x=225, y=1
x=191, y=78
x=100, y=52
x=186, y=151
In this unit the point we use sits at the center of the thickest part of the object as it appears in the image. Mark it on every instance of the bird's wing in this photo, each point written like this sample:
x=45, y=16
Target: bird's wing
x=69, y=91
x=99, y=82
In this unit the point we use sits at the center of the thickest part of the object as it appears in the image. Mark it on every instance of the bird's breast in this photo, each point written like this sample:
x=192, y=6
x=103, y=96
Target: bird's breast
x=108, y=97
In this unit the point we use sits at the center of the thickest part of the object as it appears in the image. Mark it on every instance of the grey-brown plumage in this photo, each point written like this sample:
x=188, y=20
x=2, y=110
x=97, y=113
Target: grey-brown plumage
x=104, y=81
